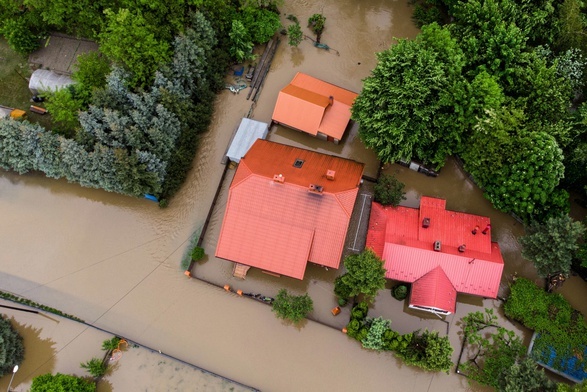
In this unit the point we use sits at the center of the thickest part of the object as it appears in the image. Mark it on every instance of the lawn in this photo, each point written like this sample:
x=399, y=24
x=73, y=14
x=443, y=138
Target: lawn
x=14, y=90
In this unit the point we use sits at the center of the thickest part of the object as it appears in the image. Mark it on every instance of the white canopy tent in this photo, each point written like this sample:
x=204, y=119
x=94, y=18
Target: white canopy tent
x=45, y=80
x=247, y=133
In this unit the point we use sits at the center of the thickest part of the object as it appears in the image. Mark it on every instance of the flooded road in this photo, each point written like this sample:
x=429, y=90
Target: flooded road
x=114, y=261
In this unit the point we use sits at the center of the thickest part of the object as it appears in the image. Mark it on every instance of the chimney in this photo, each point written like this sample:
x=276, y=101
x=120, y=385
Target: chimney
x=437, y=246
x=279, y=178
x=426, y=223
x=317, y=189
x=330, y=175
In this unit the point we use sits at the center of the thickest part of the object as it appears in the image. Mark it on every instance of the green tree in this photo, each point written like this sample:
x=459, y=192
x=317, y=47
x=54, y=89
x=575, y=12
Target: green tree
x=316, y=23
x=241, y=44
x=61, y=383
x=428, y=351
x=519, y=169
x=131, y=42
x=365, y=275
x=552, y=245
x=294, y=32
x=389, y=190
x=406, y=107
x=492, y=351
x=64, y=107
x=262, y=24
x=95, y=366
x=524, y=376
x=91, y=70
x=11, y=347
x=19, y=35
x=292, y=307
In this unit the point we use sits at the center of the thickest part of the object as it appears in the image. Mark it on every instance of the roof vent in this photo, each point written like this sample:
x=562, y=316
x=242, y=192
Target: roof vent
x=437, y=246
x=426, y=223
x=330, y=175
x=298, y=163
x=462, y=248
x=279, y=178
x=313, y=188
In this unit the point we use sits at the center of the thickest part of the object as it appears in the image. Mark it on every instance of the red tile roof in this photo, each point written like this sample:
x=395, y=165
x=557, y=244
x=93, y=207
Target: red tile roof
x=397, y=235
x=305, y=105
x=279, y=227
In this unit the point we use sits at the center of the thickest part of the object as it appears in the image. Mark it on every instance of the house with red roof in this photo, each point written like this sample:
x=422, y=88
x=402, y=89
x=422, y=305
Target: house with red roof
x=440, y=252
x=314, y=106
x=286, y=207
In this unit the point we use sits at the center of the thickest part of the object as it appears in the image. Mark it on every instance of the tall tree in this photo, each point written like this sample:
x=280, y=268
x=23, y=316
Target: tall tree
x=552, y=245
x=365, y=275
x=406, y=105
x=130, y=41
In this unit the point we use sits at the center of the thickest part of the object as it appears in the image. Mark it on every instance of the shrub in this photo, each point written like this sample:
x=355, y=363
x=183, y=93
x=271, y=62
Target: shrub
x=560, y=327
x=389, y=190
x=428, y=351
x=341, y=290
x=61, y=382
x=292, y=307
x=374, y=339
x=19, y=36
x=399, y=292
x=198, y=253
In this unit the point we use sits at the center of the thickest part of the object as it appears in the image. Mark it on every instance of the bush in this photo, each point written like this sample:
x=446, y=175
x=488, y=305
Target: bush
x=399, y=292
x=19, y=36
x=428, y=351
x=374, y=339
x=61, y=382
x=198, y=253
x=560, y=326
x=292, y=307
x=389, y=190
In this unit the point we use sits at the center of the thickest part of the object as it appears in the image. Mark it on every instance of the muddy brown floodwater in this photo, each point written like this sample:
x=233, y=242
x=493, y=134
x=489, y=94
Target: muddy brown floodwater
x=114, y=261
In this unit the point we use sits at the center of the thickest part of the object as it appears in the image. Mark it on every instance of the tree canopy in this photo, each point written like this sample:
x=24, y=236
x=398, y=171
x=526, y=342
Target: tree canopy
x=365, y=275
x=405, y=107
x=552, y=245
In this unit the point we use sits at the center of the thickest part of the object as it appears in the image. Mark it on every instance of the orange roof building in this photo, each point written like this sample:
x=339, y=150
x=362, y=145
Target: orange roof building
x=313, y=106
x=287, y=206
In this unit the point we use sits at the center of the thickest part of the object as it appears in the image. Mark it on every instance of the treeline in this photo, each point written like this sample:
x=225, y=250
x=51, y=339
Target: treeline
x=131, y=122
x=500, y=83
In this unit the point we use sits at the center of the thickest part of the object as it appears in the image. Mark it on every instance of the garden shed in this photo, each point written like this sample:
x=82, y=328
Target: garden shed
x=246, y=135
x=46, y=80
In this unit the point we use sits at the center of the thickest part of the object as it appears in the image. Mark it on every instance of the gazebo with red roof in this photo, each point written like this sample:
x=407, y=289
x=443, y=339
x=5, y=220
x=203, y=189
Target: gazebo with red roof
x=314, y=106
x=287, y=206
x=440, y=252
